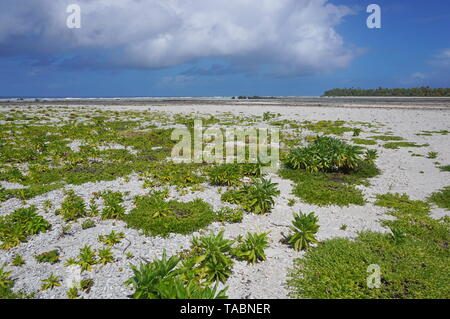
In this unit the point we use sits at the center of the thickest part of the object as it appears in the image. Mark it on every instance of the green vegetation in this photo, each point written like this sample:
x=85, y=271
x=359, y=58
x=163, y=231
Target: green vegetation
x=213, y=253
x=112, y=238
x=397, y=145
x=258, y=197
x=155, y=216
x=230, y=215
x=419, y=91
x=251, y=248
x=386, y=138
x=412, y=258
x=89, y=223
x=72, y=207
x=87, y=258
x=325, y=172
x=445, y=168
x=51, y=257
x=432, y=155
x=362, y=141
x=327, y=127
x=73, y=293
x=325, y=154
x=304, y=228
x=441, y=198
x=167, y=279
x=18, y=261
x=113, y=208
x=6, y=285
x=16, y=227
x=51, y=282
x=105, y=256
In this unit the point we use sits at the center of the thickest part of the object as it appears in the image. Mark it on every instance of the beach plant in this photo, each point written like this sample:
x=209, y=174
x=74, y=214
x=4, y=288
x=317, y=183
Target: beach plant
x=227, y=214
x=87, y=258
x=214, y=252
x=225, y=175
x=86, y=284
x=112, y=238
x=113, y=208
x=72, y=207
x=51, y=282
x=16, y=227
x=356, y=131
x=73, y=293
x=105, y=256
x=291, y=202
x=371, y=156
x=18, y=261
x=251, y=248
x=325, y=154
x=161, y=279
x=441, y=198
x=304, y=228
x=432, y=155
x=258, y=197
x=51, y=257
x=88, y=223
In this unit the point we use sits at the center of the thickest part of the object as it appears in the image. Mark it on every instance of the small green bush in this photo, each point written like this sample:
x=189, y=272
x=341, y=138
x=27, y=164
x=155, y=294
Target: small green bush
x=112, y=238
x=304, y=228
x=214, y=252
x=16, y=227
x=325, y=154
x=72, y=207
x=113, y=208
x=51, y=257
x=161, y=279
x=258, y=197
x=230, y=215
x=251, y=248
x=441, y=198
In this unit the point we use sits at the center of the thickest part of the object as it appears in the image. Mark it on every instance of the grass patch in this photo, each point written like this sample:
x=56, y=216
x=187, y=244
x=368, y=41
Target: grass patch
x=441, y=198
x=362, y=141
x=155, y=216
x=397, y=145
x=413, y=259
x=16, y=227
x=387, y=138
x=445, y=168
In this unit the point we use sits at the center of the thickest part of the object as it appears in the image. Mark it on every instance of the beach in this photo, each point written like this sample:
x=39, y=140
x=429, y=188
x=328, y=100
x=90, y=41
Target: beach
x=410, y=170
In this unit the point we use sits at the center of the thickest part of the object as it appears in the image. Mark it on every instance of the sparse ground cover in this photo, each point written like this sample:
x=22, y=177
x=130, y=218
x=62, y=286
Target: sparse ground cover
x=92, y=188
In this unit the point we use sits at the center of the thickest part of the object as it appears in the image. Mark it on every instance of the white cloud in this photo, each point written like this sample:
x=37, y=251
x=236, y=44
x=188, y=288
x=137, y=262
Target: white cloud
x=289, y=37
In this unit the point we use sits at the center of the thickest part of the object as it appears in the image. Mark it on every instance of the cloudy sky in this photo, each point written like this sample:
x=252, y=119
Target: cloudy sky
x=218, y=47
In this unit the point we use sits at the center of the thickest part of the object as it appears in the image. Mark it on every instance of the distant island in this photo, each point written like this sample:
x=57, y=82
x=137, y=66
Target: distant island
x=419, y=92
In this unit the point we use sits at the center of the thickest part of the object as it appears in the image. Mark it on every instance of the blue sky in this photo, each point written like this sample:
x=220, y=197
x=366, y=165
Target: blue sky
x=215, y=48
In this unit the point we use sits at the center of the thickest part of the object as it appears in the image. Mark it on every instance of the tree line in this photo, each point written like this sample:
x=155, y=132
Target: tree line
x=419, y=91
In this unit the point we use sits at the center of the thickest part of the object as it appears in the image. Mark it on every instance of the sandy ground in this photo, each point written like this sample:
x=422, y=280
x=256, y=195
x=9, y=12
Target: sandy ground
x=401, y=172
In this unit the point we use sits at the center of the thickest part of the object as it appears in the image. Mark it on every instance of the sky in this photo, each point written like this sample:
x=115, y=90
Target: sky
x=219, y=48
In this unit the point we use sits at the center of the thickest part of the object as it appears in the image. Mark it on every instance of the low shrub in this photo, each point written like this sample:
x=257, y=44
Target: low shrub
x=51, y=257
x=113, y=208
x=161, y=279
x=16, y=227
x=72, y=207
x=251, y=248
x=304, y=228
x=258, y=197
